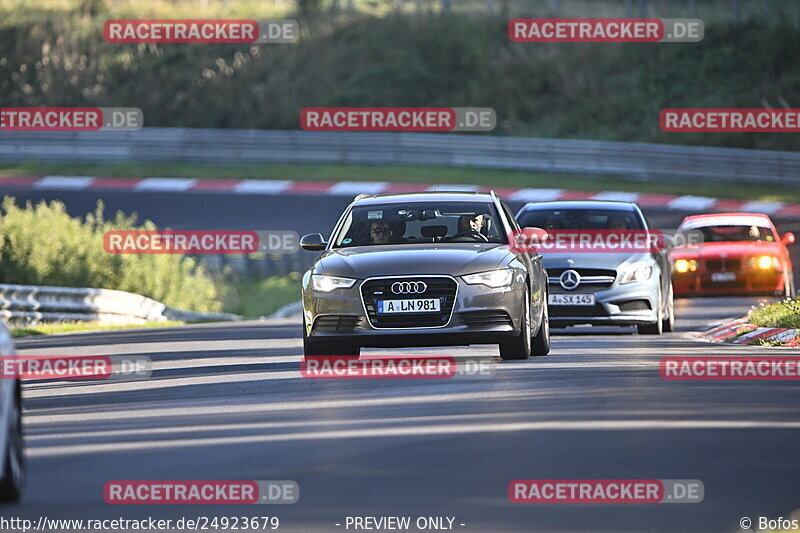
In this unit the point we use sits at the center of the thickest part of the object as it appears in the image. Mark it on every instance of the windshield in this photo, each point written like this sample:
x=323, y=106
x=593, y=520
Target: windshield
x=580, y=219
x=428, y=222
x=737, y=233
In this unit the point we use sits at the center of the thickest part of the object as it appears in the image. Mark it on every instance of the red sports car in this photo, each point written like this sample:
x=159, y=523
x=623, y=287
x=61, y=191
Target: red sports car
x=731, y=253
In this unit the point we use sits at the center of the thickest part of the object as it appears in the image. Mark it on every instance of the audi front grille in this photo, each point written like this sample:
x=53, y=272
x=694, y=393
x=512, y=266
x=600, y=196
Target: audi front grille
x=442, y=287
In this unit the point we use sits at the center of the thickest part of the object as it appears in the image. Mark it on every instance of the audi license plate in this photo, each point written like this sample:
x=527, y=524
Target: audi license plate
x=421, y=305
x=570, y=299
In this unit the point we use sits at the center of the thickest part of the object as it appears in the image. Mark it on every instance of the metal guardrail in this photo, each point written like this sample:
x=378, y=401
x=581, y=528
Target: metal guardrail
x=31, y=305
x=641, y=161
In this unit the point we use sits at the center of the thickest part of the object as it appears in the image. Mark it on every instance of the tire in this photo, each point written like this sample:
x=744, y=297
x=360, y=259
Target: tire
x=657, y=327
x=520, y=346
x=668, y=324
x=14, y=461
x=541, y=342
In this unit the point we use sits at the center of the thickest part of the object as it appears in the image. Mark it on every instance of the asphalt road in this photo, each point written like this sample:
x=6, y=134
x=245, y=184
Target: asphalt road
x=227, y=401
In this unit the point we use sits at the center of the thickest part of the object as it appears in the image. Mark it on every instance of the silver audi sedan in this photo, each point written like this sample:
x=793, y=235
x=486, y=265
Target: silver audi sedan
x=424, y=269
x=613, y=289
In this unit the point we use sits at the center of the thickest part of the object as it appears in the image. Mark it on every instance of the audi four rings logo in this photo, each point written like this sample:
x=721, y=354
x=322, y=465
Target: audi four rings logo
x=570, y=279
x=409, y=287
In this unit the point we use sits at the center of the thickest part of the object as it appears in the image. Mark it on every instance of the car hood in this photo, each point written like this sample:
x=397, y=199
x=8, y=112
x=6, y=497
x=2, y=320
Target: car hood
x=592, y=260
x=730, y=249
x=412, y=259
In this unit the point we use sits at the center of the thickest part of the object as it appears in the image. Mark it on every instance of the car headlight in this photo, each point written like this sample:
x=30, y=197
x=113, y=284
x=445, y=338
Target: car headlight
x=637, y=272
x=328, y=283
x=764, y=262
x=683, y=266
x=493, y=278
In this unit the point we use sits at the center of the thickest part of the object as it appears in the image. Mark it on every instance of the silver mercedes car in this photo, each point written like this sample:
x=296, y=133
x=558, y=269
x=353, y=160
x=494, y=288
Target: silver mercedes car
x=613, y=289
x=424, y=269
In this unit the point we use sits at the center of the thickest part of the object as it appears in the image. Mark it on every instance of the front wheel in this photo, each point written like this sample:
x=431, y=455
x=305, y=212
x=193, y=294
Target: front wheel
x=520, y=346
x=669, y=320
x=14, y=461
x=541, y=342
x=657, y=327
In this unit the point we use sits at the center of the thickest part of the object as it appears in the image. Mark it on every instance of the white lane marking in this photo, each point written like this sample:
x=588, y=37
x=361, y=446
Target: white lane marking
x=63, y=182
x=770, y=208
x=786, y=335
x=165, y=184
x=420, y=430
x=352, y=188
x=691, y=203
x=262, y=186
x=536, y=195
x=263, y=408
x=617, y=196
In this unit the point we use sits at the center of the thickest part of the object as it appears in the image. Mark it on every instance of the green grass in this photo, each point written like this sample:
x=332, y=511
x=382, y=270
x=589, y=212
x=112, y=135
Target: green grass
x=254, y=298
x=75, y=327
x=425, y=175
x=785, y=314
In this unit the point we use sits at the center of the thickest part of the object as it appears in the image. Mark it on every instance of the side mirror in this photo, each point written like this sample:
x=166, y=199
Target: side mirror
x=313, y=242
x=526, y=240
x=538, y=234
x=788, y=238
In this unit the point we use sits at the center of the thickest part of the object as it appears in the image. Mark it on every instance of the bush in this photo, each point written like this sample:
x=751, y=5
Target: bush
x=42, y=245
x=785, y=314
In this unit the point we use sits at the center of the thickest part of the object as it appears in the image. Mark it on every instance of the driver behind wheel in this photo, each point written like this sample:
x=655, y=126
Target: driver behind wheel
x=470, y=223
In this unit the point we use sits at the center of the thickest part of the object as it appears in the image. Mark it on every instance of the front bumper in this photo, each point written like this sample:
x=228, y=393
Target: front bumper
x=746, y=283
x=618, y=305
x=480, y=315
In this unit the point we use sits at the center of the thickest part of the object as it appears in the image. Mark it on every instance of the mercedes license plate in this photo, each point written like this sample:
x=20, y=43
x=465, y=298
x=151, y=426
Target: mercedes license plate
x=570, y=299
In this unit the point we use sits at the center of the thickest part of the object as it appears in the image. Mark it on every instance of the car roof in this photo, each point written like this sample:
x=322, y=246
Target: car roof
x=581, y=204
x=424, y=196
x=732, y=215
x=724, y=219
